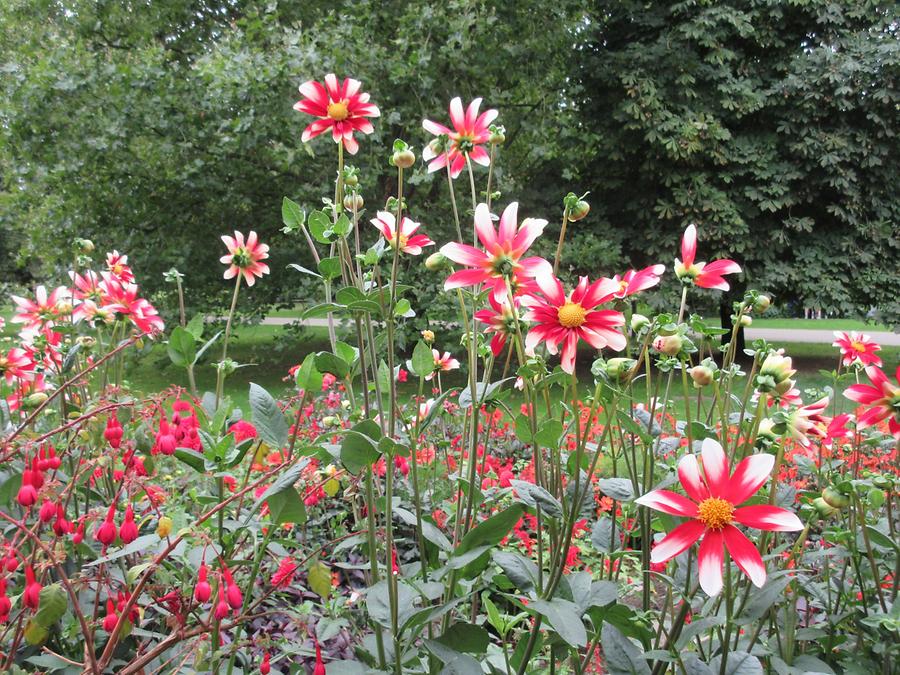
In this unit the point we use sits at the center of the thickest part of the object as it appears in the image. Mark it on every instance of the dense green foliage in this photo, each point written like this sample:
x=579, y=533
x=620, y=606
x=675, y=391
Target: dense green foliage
x=161, y=125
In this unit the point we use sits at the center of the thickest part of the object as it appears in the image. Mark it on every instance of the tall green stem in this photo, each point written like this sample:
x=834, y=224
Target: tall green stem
x=220, y=375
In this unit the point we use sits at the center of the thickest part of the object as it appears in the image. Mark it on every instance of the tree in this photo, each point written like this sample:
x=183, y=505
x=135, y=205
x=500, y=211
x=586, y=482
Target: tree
x=771, y=125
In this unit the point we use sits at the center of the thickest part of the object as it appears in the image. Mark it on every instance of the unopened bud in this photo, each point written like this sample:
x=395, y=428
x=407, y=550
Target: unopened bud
x=834, y=498
x=639, y=322
x=498, y=134
x=746, y=320
x=824, y=509
x=428, y=336
x=579, y=210
x=436, y=262
x=619, y=367
x=762, y=303
x=35, y=399
x=353, y=202
x=701, y=375
x=164, y=527
x=669, y=345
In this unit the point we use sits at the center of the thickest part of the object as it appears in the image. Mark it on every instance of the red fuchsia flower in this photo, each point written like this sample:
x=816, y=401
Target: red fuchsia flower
x=882, y=397
x=47, y=511
x=442, y=363
x=202, y=590
x=705, y=275
x=467, y=138
x=165, y=440
x=27, y=495
x=117, y=264
x=5, y=604
x=409, y=241
x=244, y=257
x=320, y=664
x=111, y=618
x=499, y=320
x=31, y=598
x=340, y=107
x=128, y=531
x=636, y=281
x=221, y=610
x=61, y=526
x=113, y=432
x=265, y=667
x=242, y=430
x=284, y=575
x=106, y=532
x=232, y=591
x=16, y=364
x=502, y=256
x=857, y=346
x=713, y=511
x=47, y=309
x=566, y=319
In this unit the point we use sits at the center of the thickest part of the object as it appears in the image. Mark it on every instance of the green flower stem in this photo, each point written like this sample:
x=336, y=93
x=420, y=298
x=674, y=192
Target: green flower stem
x=562, y=237
x=220, y=375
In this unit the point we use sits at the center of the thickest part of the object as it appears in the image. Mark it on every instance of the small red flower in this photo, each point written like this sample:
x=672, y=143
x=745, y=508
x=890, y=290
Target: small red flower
x=705, y=275
x=467, y=138
x=244, y=257
x=857, y=347
x=340, y=107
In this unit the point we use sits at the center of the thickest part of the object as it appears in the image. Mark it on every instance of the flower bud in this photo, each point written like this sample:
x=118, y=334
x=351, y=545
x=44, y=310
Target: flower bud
x=47, y=512
x=128, y=532
x=579, y=210
x=202, y=591
x=669, y=345
x=639, y=322
x=774, y=373
x=164, y=527
x=701, y=375
x=111, y=619
x=746, y=320
x=353, y=202
x=428, y=336
x=34, y=400
x=824, y=509
x=436, y=262
x=762, y=303
x=618, y=368
x=834, y=498
x=498, y=134
x=403, y=159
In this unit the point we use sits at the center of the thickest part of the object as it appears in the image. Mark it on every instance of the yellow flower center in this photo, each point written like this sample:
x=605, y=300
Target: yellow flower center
x=571, y=315
x=402, y=238
x=857, y=346
x=715, y=513
x=338, y=111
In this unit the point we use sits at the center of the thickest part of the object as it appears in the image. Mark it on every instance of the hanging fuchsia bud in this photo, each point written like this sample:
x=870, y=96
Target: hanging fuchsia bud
x=232, y=592
x=27, y=493
x=265, y=667
x=41, y=462
x=37, y=475
x=62, y=526
x=128, y=531
x=111, y=618
x=202, y=591
x=5, y=604
x=78, y=534
x=165, y=440
x=113, y=432
x=31, y=598
x=47, y=512
x=320, y=664
x=54, y=461
x=106, y=533
x=11, y=562
x=221, y=607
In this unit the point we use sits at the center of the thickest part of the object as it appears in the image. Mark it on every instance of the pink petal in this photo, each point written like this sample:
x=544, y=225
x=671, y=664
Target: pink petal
x=552, y=288
x=569, y=351
x=464, y=278
x=484, y=226
x=459, y=163
x=689, y=246
x=669, y=502
x=765, y=517
x=315, y=92
x=331, y=84
x=689, y=475
x=530, y=230
x=720, y=267
x=534, y=266
x=435, y=128
x=745, y=555
x=715, y=467
x=457, y=117
x=749, y=476
x=677, y=541
x=480, y=156
x=472, y=113
x=464, y=254
x=509, y=223
x=862, y=393
x=351, y=145
x=484, y=120
x=310, y=108
x=709, y=561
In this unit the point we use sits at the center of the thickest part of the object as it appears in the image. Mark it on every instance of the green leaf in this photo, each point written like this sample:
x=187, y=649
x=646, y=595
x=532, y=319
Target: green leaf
x=195, y=326
x=489, y=532
x=738, y=663
x=320, y=227
x=379, y=606
x=358, y=451
x=192, y=458
x=422, y=362
x=269, y=420
x=209, y=343
x=429, y=530
x=619, y=489
x=465, y=637
x=623, y=657
x=330, y=268
x=286, y=506
x=564, y=617
x=52, y=605
x=549, y=433
x=326, y=362
x=347, y=352
x=304, y=270
x=308, y=377
x=319, y=579
x=283, y=506
x=181, y=348
x=534, y=496
x=139, y=545
x=520, y=570
x=291, y=214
